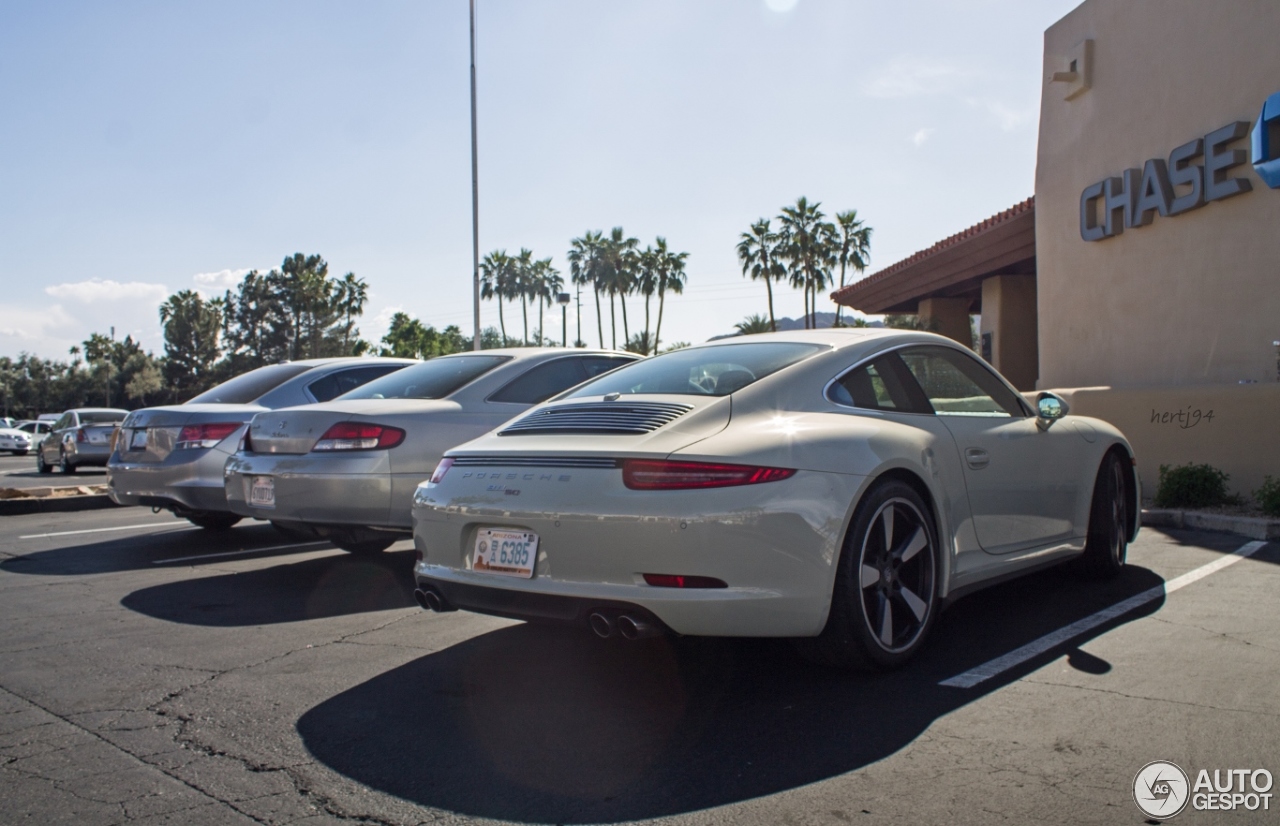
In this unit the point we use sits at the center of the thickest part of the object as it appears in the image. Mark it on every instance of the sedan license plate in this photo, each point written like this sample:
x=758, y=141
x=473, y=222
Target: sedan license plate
x=138, y=441
x=505, y=552
x=262, y=492
x=98, y=437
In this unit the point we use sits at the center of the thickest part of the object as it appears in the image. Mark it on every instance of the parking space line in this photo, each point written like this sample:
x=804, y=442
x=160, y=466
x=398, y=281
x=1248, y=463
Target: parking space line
x=149, y=526
x=241, y=553
x=1051, y=640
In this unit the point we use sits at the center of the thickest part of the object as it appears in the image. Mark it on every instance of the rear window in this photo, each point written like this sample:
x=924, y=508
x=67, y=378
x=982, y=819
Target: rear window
x=433, y=379
x=102, y=416
x=344, y=381
x=700, y=371
x=252, y=385
x=549, y=378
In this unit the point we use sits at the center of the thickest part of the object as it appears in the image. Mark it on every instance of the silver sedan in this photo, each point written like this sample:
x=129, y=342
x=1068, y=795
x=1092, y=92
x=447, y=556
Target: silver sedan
x=347, y=469
x=172, y=457
x=80, y=438
x=836, y=486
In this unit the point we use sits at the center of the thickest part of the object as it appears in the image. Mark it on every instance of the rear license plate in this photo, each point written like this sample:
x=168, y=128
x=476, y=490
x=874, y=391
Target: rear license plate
x=505, y=552
x=262, y=492
x=138, y=441
x=98, y=437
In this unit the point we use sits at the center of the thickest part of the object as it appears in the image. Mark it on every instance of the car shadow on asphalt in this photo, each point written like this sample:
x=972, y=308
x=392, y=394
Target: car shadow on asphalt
x=168, y=543
x=333, y=585
x=547, y=725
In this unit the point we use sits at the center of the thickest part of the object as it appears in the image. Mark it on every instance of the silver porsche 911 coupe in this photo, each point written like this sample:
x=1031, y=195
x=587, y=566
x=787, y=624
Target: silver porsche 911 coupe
x=347, y=469
x=836, y=486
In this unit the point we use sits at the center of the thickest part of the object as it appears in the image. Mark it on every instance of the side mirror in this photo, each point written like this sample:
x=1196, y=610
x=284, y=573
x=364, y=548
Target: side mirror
x=1050, y=407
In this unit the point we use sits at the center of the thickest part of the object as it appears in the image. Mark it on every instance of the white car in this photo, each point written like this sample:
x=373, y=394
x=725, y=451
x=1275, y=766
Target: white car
x=835, y=485
x=15, y=441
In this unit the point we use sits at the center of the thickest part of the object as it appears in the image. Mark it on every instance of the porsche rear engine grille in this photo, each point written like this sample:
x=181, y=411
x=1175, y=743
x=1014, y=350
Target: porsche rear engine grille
x=599, y=417
x=535, y=461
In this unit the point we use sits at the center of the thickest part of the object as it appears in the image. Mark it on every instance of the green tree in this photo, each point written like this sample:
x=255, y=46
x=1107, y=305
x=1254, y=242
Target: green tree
x=853, y=250
x=586, y=261
x=617, y=276
x=498, y=282
x=350, y=295
x=757, y=250
x=145, y=379
x=192, y=328
x=753, y=324
x=808, y=246
x=671, y=279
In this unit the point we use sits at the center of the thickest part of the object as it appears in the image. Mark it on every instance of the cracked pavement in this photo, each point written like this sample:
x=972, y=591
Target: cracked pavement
x=296, y=685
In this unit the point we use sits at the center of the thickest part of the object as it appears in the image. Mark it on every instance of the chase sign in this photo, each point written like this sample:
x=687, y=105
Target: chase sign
x=1201, y=168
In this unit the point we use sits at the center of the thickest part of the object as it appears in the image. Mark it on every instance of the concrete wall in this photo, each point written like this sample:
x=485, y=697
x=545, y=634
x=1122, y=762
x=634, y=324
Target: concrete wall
x=1232, y=427
x=1189, y=299
x=1009, y=315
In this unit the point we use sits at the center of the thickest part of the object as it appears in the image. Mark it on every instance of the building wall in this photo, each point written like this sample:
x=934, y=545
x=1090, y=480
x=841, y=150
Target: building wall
x=1189, y=299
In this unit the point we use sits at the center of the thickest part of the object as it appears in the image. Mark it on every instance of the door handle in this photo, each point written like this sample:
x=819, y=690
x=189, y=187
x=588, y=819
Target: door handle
x=976, y=457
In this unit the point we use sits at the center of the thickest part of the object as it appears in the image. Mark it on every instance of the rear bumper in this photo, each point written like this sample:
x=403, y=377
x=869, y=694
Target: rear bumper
x=186, y=480
x=87, y=455
x=353, y=489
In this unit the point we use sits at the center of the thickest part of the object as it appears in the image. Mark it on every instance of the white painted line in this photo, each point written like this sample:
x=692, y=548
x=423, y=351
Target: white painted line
x=241, y=553
x=1033, y=649
x=150, y=526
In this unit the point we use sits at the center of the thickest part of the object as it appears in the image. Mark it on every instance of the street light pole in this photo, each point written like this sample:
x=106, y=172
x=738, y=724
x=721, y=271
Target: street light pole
x=563, y=300
x=475, y=194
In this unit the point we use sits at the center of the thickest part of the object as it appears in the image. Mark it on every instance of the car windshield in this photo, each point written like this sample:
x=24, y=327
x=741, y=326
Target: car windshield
x=433, y=379
x=252, y=385
x=102, y=416
x=700, y=371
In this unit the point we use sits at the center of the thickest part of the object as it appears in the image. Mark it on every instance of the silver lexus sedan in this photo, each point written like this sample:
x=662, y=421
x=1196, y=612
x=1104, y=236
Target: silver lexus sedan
x=172, y=457
x=831, y=485
x=347, y=469
x=79, y=438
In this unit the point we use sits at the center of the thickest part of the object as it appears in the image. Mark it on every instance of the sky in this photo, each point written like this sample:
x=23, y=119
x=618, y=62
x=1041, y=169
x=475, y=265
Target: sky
x=150, y=147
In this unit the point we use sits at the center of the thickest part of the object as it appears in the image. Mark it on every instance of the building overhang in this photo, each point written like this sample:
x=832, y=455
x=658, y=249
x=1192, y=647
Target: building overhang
x=1004, y=244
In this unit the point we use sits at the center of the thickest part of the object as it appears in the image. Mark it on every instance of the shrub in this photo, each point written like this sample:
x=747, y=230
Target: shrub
x=1192, y=486
x=1268, y=496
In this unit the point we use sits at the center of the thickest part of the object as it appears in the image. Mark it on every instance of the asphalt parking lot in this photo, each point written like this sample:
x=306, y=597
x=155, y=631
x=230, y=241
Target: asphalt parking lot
x=156, y=673
x=20, y=472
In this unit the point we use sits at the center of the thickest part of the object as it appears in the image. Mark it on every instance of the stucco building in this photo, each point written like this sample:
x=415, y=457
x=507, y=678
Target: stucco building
x=1142, y=281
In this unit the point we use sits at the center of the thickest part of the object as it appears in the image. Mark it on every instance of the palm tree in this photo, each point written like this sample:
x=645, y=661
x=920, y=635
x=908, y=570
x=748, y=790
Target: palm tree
x=546, y=282
x=522, y=286
x=646, y=281
x=854, y=249
x=753, y=324
x=585, y=262
x=496, y=275
x=808, y=245
x=350, y=295
x=671, y=277
x=618, y=275
x=757, y=250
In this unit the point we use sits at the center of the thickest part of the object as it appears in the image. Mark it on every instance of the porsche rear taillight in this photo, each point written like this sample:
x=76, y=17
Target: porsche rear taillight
x=664, y=474
x=359, y=436
x=441, y=469
x=204, y=435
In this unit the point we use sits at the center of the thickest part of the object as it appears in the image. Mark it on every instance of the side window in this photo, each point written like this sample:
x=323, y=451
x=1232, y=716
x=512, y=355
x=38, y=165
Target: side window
x=958, y=385
x=543, y=382
x=63, y=423
x=343, y=381
x=597, y=365
x=883, y=383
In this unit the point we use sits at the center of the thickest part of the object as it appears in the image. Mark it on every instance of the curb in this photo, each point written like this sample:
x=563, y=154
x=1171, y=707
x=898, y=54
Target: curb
x=1249, y=526
x=47, y=503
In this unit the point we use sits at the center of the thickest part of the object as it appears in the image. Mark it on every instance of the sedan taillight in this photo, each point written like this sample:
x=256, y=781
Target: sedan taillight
x=81, y=436
x=204, y=435
x=359, y=436
x=663, y=474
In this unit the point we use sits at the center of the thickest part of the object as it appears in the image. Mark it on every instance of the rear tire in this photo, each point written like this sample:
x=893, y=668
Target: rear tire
x=20, y=452
x=213, y=521
x=66, y=466
x=41, y=467
x=1107, y=546
x=885, y=597
x=295, y=530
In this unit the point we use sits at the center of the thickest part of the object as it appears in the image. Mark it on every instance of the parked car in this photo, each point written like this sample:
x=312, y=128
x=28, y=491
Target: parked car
x=15, y=441
x=36, y=430
x=347, y=469
x=79, y=438
x=171, y=457
x=836, y=486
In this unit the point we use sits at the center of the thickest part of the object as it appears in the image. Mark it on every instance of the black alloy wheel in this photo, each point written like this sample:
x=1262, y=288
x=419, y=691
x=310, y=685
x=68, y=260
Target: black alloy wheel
x=885, y=598
x=1107, y=546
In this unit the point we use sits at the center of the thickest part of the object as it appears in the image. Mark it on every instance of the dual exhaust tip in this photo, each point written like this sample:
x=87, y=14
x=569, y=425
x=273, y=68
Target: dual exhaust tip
x=604, y=625
x=432, y=600
x=629, y=627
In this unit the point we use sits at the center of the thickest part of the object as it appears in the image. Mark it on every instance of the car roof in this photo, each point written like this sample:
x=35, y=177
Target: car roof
x=839, y=337
x=97, y=410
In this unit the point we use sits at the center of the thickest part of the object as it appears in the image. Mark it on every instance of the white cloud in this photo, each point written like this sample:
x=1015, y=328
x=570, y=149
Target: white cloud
x=222, y=279
x=97, y=291
x=25, y=328
x=922, y=135
x=907, y=76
